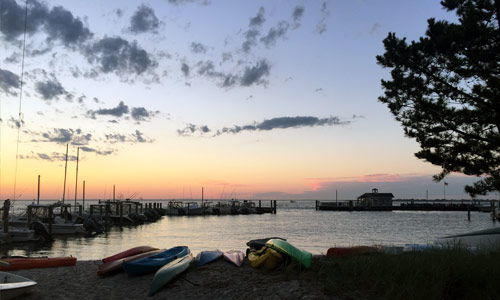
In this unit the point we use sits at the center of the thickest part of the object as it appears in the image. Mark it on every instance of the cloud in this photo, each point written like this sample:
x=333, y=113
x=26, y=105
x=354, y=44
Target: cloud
x=198, y=48
x=191, y=128
x=255, y=74
x=267, y=125
x=141, y=114
x=325, y=13
x=54, y=156
x=15, y=123
x=136, y=137
x=51, y=89
x=58, y=23
x=252, y=33
x=182, y=2
x=114, y=54
x=98, y=152
x=9, y=82
x=207, y=69
x=275, y=33
x=185, y=69
x=118, y=111
x=297, y=14
x=144, y=20
x=375, y=27
x=65, y=136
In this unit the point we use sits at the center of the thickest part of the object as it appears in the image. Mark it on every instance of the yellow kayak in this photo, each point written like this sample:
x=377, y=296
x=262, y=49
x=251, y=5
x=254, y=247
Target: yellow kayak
x=265, y=257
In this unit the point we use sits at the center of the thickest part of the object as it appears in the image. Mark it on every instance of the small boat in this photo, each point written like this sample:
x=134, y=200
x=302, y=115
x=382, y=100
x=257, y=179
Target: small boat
x=169, y=271
x=19, y=263
x=13, y=286
x=115, y=266
x=354, y=250
x=205, y=257
x=234, y=256
x=152, y=263
x=302, y=256
x=259, y=243
x=265, y=257
x=129, y=252
x=193, y=209
x=479, y=240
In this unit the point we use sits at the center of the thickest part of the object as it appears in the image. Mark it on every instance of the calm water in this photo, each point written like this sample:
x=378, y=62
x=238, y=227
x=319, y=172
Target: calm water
x=298, y=222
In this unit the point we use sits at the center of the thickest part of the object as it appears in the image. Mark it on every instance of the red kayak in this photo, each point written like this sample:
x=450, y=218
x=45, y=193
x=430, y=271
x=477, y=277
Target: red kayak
x=354, y=250
x=19, y=263
x=129, y=252
x=234, y=256
x=115, y=266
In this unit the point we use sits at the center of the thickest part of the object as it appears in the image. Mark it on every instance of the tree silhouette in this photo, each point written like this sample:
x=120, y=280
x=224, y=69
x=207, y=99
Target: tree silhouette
x=445, y=91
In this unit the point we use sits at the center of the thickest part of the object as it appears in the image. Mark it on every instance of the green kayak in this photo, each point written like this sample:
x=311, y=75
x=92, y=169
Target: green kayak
x=285, y=247
x=169, y=271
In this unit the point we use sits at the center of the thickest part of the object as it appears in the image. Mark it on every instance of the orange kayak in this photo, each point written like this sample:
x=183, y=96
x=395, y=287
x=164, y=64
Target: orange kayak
x=19, y=263
x=115, y=266
x=129, y=252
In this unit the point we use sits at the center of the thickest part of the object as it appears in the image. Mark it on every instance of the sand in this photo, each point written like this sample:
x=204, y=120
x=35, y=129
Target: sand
x=218, y=280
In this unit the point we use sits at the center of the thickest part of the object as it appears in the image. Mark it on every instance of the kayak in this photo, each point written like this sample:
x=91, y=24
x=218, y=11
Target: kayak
x=265, y=257
x=257, y=244
x=129, y=252
x=478, y=240
x=152, y=263
x=234, y=256
x=20, y=263
x=302, y=256
x=205, y=257
x=354, y=250
x=115, y=266
x=14, y=286
x=169, y=271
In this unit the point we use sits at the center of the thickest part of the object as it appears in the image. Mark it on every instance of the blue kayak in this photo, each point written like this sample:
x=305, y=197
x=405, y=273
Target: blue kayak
x=205, y=257
x=152, y=263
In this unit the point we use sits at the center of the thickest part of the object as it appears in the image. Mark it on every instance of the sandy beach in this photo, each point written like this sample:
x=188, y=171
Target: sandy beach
x=218, y=280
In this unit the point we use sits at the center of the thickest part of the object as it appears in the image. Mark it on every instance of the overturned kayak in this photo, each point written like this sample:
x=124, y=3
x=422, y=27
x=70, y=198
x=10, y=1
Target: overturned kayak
x=129, y=252
x=115, y=266
x=13, y=286
x=169, y=271
x=205, y=257
x=19, y=263
x=265, y=257
x=152, y=263
x=257, y=244
x=354, y=250
x=302, y=256
x=234, y=256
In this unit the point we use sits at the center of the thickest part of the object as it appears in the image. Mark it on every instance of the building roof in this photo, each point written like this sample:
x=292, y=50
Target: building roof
x=377, y=195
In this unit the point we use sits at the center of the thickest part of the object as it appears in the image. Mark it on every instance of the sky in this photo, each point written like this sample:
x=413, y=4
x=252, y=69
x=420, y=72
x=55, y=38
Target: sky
x=243, y=99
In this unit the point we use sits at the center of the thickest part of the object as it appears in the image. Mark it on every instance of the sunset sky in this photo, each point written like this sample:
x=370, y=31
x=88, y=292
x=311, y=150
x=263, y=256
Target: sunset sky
x=248, y=99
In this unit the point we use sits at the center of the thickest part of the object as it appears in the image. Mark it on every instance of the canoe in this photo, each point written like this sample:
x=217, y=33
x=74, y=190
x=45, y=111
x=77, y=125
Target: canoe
x=205, y=257
x=129, y=252
x=302, y=256
x=152, y=263
x=478, y=240
x=354, y=250
x=259, y=243
x=234, y=256
x=265, y=257
x=169, y=271
x=13, y=286
x=19, y=263
x=115, y=266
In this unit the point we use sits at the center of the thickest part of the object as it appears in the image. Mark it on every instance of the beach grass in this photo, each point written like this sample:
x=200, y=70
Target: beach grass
x=433, y=274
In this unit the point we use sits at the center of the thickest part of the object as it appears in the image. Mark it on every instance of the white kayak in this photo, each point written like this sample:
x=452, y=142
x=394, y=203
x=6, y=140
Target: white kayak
x=12, y=286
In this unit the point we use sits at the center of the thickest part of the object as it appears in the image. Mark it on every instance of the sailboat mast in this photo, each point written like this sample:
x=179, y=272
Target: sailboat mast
x=76, y=184
x=65, y=172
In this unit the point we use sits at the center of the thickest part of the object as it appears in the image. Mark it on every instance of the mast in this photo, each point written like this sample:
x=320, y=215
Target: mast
x=38, y=197
x=65, y=171
x=76, y=183
x=83, y=199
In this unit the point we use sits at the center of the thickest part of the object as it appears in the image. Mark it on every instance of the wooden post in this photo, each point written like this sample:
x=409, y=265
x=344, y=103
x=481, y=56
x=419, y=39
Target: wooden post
x=6, y=208
x=274, y=206
x=121, y=213
x=50, y=219
x=106, y=212
x=91, y=210
x=30, y=215
x=493, y=217
x=468, y=212
x=316, y=204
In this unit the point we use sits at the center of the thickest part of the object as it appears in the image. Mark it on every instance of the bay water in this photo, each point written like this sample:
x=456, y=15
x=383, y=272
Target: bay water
x=297, y=221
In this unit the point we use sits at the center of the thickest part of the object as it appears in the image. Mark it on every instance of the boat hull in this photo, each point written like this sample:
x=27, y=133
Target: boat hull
x=205, y=257
x=282, y=246
x=265, y=257
x=479, y=240
x=152, y=263
x=14, y=286
x=235, y=257
x=115, y=266
x=20, y=263
x=169, y=271
x=129, y=252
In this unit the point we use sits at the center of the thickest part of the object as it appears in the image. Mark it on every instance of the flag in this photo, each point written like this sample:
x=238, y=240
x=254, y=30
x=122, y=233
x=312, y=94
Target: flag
x=446, y=183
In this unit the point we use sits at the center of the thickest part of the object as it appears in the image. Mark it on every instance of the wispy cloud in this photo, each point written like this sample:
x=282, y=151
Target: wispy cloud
x=324, y=14
x=9, y=82
x=144, y=20
x=118, y=111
